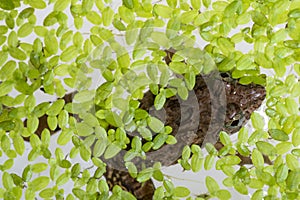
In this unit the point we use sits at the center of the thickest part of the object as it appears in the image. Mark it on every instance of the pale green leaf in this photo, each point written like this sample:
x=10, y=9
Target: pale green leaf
x=257, y=120
x=64, y=137
x=257, y=159
x=266, y=148
x=292, y=162
x=111, y=151
x=181, y=191
x=39, y=183
x=211, y=185
x=159, y=101
x=155, y=124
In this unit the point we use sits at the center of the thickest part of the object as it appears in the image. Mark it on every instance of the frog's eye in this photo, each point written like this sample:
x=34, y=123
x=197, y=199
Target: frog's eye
x=232, y=123
x=225, y=75
x=235, y=122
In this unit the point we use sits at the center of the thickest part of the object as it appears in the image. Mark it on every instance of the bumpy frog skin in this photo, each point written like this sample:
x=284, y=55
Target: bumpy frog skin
x=223, y=105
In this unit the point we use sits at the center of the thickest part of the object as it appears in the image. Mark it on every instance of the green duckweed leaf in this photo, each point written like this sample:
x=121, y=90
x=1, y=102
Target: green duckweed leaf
x=32, y=123
x=266, y=148
x=83, y=96
x=85, y=153
x=293, y=44
x=206, y=3
x=257, y=121
x=155, y=124
x=278, y=135
x=52, y=122
x=99, y=148
x=181, y=191
x=118, y=24
x=162, y=10
x=190, y=80
x=159, y=140
x=25, y=30
x=39, y=167
x=17, y=53
x=69, y=53
x=111, y=150
x=196, y=4
x=95, y=18
x=144, y=175
x=64, y=137
x=56, y=107
x=152, y=72
x=7, y=181
x=19, y=144
x=47, y=193
x=296, y=137
x=113, y=119
x=128, y=3
x=3, y=29
x=293, y=180
x=84, y=129
x=258, y=194
x=145, y=133
x=38, y=4
x=196, y=163
x=283, y=147
x=292, y=106
x=171, y=139
x=183, y=92
x=257, y=158
x=292, y=162
x=9, y=21
x=295, y=13
x=6, y=87
x=65, y=39
x=208, y=162
x=159, y=101
x=281, y=173
x=61, y=5
x=62, y=179
x=259, y=18
x=240, y=187
x=132, y=169
x=126, y=15
x=79, y=193
x=75, y=171
x=7, y=4
x=223, y=194
x=107, y=15
x=27, y=173
x=211, y=185
x=39, y=183
x=51, y=43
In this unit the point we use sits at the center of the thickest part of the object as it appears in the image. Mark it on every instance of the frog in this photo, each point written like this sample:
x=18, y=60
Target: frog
x=239, y=103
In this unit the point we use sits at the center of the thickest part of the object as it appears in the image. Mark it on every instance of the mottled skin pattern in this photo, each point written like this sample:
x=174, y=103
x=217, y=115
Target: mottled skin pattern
x=241, y=101
x=127, y=183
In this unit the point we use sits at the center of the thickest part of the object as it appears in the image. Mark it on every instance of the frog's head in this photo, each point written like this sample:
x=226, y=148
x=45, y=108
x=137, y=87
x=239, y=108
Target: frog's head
x=242, y=101
x=234, y=119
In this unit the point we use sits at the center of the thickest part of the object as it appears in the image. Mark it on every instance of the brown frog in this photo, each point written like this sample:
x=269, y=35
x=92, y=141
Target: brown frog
x=220, y=103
